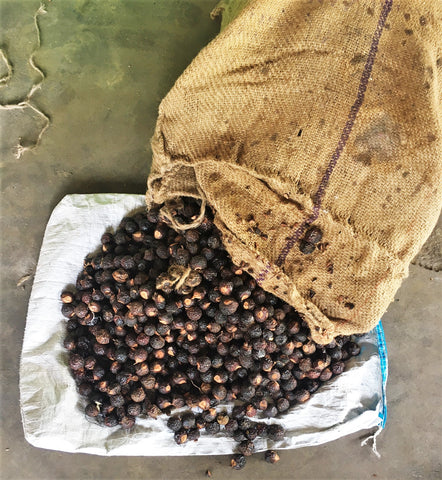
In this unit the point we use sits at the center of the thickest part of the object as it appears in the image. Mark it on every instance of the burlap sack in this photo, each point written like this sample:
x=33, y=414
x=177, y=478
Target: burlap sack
x=323, y=113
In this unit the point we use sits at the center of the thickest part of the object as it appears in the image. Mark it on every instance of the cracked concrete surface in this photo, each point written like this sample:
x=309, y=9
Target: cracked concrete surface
x=107, y=66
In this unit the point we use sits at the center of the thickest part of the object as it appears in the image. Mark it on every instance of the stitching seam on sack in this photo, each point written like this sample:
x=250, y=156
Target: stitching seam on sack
x=343, y=139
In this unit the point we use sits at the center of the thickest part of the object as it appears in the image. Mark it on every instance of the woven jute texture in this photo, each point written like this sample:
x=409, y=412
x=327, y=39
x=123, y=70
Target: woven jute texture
x=314, y=113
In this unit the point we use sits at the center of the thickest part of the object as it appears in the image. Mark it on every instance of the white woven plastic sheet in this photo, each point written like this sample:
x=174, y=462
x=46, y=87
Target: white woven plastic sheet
x=52, y=411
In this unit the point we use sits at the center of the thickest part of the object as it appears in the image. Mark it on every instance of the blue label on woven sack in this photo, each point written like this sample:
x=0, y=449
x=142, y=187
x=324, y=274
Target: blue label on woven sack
x=382, y=348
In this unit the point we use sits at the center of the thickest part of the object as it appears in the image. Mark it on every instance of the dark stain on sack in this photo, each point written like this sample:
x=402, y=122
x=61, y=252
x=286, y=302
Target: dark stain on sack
x=378, y=142
x=358, y=58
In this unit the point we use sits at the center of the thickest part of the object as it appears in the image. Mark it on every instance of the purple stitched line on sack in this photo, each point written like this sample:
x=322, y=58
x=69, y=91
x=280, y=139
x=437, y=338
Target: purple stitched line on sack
x=262, y=275
x=342, y=141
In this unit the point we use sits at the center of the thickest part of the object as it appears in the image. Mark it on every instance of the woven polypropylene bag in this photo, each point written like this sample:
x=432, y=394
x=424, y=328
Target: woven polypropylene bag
x=314, y=113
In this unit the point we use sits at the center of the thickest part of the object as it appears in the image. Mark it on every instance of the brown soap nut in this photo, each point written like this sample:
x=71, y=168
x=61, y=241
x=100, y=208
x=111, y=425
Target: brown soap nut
x=153, y=411
x=228, y=305
x=271, y=456
x=157, y=342
x=222, y=418
x=274, y=375
x=275, y=432
x=305, y=364
x=76, y=361
x=92, y=410
x=246, y=448
x=251, y=410
x=282, y=404
x=261, y=314
x=94, y=307
x=337, y=367
x=81, y=310
x=70, y=343
x=326, y=374
x=219, y=392
x=313, y=235
x=67, y=296
x=136, y=308
x=238, y=462
x=198, y=263
x=120, y=275
x=194, y=313
x=301, y=395
x=306, y=247
x=103, y=337
x=309, y=348
x=127, y=422
x=225, y=287
x=134, y=409
x=89, y=363
x=148, y=382
x=139, y=355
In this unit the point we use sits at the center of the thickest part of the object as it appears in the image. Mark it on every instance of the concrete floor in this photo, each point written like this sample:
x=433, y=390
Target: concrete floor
x=107, y=66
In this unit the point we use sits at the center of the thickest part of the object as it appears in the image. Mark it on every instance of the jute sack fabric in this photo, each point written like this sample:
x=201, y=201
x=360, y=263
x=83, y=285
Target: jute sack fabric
x=311, y=113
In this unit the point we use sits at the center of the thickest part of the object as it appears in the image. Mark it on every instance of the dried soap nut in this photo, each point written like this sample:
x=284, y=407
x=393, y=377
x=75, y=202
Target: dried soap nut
x=225, y=287
x=337, y=367
x=219, y=392
x=219, y=337
x=92, y=410
x=138, y=394
x=120, y=275
x=117, y=400
x=103, y=337
x=153, y=411
x=222, y=418
x=174, y=423
x=313, y=235
x=228, y=305
x=148, y=382
x=231, y=425
x=305, y=364
x=204, y=402
x=110, y=420
x=76, y=361
x=209, y=415
x=352, y=348
x=134, y=409
x=251, y=410
x=309, y=348
x=194, y=313
x=261, y=314
x=127, y=422
x=306, y=247
x=246, y=448
x=326, y=374
x=188, y=420
x=282, y=404
x=212, y=428
x=157, y=342
x=239, y=436
x=252, y=432
x=198, y=263
x=238, y=462
x=301, y=395
x=81, y=310
x=67, y=297
x=271, y=456
x=275, y=432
